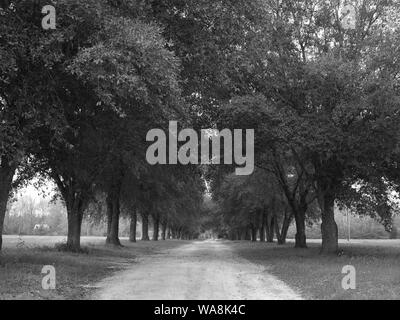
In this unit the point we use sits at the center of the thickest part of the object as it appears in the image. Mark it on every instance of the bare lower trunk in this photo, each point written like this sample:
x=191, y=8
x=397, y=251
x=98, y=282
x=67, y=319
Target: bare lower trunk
x=109, y=219
x=75, y=211
x=74, y=231
x=253, y=233
x=173, y=232
x=329, y=229
x=285, y=227
x=156, y=227
x=76, y=202
x=113, y=213
x=262, y=229
x=163, y=231
x=169, y=233
x=300, y=219
x=7, y=172
x=132, y=228
x=277, y=229
x=270, y=228
x=145, y=226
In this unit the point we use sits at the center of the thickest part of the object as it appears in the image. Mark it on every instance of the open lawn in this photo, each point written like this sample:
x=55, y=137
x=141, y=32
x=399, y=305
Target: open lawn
x=23, y=258
x=311, y=275
x=377, y=264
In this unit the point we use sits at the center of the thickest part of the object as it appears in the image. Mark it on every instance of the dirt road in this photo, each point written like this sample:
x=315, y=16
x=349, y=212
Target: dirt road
x=202, y=270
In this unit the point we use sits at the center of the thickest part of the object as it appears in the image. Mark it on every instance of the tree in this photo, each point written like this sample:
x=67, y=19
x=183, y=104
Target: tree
x=26, y=98
x=320, y=101
x=105, y=85
x=251, y=205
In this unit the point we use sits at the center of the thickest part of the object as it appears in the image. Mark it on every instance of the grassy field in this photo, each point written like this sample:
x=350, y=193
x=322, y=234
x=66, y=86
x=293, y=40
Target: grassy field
x=23, y=258
x=377, y=264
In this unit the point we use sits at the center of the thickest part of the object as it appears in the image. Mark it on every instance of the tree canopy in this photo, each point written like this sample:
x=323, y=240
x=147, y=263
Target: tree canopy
x=77, y=101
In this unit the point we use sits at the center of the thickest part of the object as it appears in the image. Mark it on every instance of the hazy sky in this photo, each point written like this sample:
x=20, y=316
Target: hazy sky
x=38, y=194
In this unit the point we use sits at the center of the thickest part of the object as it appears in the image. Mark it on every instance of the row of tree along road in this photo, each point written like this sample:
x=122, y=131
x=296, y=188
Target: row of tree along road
x=77, y=101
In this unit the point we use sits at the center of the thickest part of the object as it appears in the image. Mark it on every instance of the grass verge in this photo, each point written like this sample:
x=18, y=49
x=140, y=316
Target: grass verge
x=377, y=264
x=22, y=260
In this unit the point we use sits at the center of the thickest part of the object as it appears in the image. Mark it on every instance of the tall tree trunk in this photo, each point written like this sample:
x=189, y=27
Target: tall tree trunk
x=169, y=233
x=262, y=228
x=253, y=233
x=74, y=230
x=75, y=195
x=277, y=229
x=287, y=220
x=113, y=214
x=300, y=218
x=156, y=227
x=329, y=229
x=75, y=210
x=270, y=228
x=7, y=172
x=132, y=228
x=173, y=232
x=145, y=226
x=109, y=220
x=163, y=230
